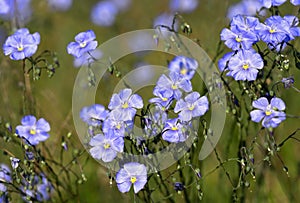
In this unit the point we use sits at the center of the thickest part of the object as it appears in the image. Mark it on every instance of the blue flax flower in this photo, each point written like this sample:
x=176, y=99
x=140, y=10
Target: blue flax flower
x=183, y=6
x=270, y=3
x=132, y=173
x=174, y=131
x=87, y=58
x=94, y=115
x=104, y=13
x=33, y=131
x=116, y=122
x=126, y=103
x=293, y=29
x=163, y=97
x=4, y=176
x=105, y=147
x=21, y=44
x=191, y=106
x=244, y=23
x=17, y=10
x=271, y=113
x=84, y=42
x=184, y=66
x=223, y=62
x=245, y=65
x=175, y=83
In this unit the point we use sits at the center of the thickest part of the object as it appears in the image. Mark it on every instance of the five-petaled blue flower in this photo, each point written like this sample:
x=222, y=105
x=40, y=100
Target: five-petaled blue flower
x=116, y=122
x=132, y=173
x=84, y=42
x=94, y=115
x=105, y=147
x=163, y=97
x=104, y=13
x=21, y=44
x=191, y=106
x=184, y=66
x=245, y=65
x=126, y=103
x=175, y=131
x=175, y=83
x=33, y=131
x=271, y=113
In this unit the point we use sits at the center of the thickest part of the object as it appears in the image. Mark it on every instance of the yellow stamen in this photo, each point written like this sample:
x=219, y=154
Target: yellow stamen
x=268, y=112
x=82, y=44
x=183, y=71
x=165, y=99
x=238, y=39
x=272, y=31
x=125, y=106
x=32, y=131
x=133, y=179
x=174, y=87
x=174, y=128
x=246, y=66
x=118, y=126
x=20, y=48
x=106, y=146
x=191, y=107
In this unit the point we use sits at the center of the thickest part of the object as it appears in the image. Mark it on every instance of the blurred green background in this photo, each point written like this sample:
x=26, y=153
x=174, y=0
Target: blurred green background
x=54, y=98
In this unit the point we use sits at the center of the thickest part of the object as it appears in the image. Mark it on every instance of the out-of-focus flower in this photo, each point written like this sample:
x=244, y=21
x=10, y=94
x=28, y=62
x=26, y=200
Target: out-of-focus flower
x=245, y=7
x=32, y=130
x=4, y=176
x=18, y=11
x=191, y=106
x=269, y=3
x=126, y=103
x=84, y=42
x=21, y=44
x=288, y=82
x=245, y=65
x=104, y=13
x=165, y=19
x=271, y=113
x=122, y=5
x=131, y=174
x=154, y=121
x=61, y=5
x=93, y=115
x=105, y=147
x=183, y=6
x=295, y=2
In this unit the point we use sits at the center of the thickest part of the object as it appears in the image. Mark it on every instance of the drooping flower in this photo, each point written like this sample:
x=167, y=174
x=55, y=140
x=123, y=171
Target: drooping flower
x=126, y=103
x=94, y=115
x=33, y=131
x=184, y=66
x=175, y=83
x=271, y=113
x=21, y=44
x=183, y=6
x=154, y=121
x=245, y=65
x=104, y=13
x=105, y=147
x=4, y=176
x=174, y=131
x=223, y=62
x=191, y=106
x=61, y=5
x=165, y=19
x=132, y=173
x=84, y=42
x=14, y=162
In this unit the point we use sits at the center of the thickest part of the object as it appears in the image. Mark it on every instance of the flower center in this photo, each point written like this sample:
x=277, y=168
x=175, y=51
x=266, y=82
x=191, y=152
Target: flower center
x=238, y=39
x=118, y=126
x=133, y=179
x=272, y=30
x=174, y=128
x=174, y=87
x=165, y=99
x=32, y=131
x=268, y=112
x=183, y=71
x=191, y=107
x=20, y=47
x=246, y=66
x=125, y=105
x=106, y=145
x=82, y=44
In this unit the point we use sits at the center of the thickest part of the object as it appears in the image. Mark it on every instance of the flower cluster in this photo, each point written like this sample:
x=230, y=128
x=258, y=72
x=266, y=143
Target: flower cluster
x=109, y=127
